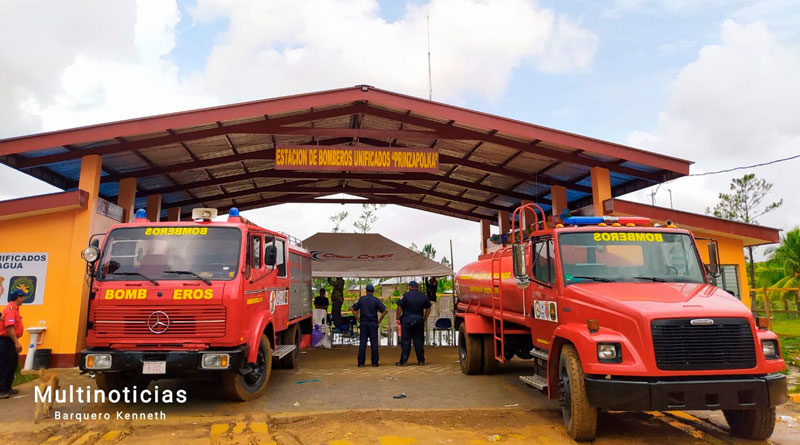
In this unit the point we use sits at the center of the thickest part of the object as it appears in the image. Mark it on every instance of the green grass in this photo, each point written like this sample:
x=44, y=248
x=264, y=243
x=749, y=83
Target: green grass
x=786, y=327
x=789, y=333
x=20, y=379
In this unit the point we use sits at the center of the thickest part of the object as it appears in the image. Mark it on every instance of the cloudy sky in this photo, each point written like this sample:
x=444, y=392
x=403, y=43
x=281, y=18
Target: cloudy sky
x=713, y=81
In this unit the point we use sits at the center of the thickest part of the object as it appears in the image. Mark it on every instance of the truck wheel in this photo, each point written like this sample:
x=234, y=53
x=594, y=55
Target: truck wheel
x=753, y=424
x=250, y=382
x=580, y=417
x=291, y=336
x=108, y=381
x=469, y=351
x=489, y=363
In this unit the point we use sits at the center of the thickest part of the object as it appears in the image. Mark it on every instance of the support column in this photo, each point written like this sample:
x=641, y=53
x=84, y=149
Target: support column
x=504, y=221
x=484, y=236
x=558, y=196
x=601, y=189
x=527, y=216
x=154, y=208
x=174, y=214
x=76, y=288
x=126, y=198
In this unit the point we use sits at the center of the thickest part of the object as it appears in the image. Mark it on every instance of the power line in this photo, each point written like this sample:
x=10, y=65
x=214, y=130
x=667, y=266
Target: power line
x=746, y=166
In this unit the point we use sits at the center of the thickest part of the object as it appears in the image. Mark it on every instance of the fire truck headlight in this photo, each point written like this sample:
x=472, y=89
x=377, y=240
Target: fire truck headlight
x=90, y=254
x=770, y=348
x=215, y=361
x=609, y=352
x=98, y=361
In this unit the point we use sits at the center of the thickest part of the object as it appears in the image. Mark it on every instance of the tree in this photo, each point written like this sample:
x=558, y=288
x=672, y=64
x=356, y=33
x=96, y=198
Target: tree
x=428, y=251
x=785, y=261
x=337, y=220
x=745, y=204
x=446, y=262
x=367, y=218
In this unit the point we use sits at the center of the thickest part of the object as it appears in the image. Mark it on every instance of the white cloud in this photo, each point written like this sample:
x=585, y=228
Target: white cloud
x=734, y=105
x=40, y=42
x=97, y=89
x=279, y=47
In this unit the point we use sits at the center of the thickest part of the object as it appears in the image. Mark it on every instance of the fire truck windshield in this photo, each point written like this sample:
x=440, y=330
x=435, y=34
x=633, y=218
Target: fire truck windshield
x=156, y=253
x=629, y=256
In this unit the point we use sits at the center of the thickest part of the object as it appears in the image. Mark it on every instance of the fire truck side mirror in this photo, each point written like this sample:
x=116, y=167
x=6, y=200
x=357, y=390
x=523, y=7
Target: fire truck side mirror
x=270, y=255
x=713, y=259
x=518, y=260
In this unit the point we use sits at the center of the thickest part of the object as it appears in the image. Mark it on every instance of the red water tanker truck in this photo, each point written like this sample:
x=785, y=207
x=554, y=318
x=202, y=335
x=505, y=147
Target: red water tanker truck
x=618, y=315
x=195, y=298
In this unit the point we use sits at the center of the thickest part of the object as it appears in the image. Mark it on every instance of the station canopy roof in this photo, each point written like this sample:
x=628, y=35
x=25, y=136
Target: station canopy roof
x=225, y=156
x=367, y=255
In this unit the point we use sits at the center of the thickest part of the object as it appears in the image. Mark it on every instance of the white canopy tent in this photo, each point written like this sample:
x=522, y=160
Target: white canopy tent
x=367, y=255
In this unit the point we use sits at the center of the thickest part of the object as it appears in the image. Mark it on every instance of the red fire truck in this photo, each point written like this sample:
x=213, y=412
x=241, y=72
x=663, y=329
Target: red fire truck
x=616, y=315
x=180, y=299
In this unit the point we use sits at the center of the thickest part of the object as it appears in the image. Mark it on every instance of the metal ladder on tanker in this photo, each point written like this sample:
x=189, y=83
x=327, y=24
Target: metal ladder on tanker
x=498, y=331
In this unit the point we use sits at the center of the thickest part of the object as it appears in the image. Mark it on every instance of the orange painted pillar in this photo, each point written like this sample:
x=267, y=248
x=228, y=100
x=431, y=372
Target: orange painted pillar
x=174, y=214
x=154, y=208
x=126, y=198
x=504, y=221
x=558, y=197
x=601, y=189
x=528, y=216
x=75, y=286
x=484, y=235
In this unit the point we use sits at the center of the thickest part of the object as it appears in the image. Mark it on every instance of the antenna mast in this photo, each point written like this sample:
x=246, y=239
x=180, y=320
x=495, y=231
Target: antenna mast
x=430, y=85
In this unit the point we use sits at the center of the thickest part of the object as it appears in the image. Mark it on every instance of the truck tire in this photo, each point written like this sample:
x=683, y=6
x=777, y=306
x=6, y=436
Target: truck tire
x=291, y=336
x=580, y=417
x=108, y=381
x=250, y=382
x=469, y=351
x=489, y=363
x=753, y=424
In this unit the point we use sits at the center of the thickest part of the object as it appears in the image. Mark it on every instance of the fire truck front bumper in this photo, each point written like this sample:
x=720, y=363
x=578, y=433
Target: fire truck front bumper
x=167, y=363
x=733, y=392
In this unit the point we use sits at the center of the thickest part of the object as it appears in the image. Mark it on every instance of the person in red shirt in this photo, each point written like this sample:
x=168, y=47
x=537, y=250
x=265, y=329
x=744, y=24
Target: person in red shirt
x=10, y=347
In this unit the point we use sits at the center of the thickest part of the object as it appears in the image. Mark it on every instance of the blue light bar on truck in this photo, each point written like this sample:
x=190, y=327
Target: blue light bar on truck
x=594, y=220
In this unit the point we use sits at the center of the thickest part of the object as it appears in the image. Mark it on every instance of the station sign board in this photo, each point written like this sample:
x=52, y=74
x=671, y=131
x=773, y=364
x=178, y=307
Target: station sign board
x=356, y=158
x=23, y=272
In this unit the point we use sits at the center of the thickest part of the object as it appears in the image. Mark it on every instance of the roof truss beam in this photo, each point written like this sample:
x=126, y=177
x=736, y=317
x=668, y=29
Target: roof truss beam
x=266, y=126
x=531, y=148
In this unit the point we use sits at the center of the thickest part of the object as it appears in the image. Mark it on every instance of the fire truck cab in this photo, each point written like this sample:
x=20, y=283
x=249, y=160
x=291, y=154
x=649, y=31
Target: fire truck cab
x=616, y=315
x=182, y=299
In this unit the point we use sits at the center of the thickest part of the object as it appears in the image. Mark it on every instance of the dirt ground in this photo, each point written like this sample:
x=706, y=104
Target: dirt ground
x=330, y=401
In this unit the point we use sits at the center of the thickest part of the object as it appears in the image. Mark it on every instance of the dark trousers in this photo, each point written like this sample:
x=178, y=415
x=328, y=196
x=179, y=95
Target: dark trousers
x=8, y=363
x=369, y=330
x=413, y=329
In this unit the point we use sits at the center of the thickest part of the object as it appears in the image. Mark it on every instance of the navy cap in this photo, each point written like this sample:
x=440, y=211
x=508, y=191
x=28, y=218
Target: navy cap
x=16, y=293
x=370, y=288
x=413, y=283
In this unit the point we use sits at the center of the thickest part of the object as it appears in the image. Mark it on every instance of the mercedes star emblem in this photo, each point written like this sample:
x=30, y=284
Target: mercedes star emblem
x=158, y=322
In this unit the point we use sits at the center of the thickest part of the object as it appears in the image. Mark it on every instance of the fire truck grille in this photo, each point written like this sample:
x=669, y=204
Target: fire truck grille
x=184, y=322
x=725, y=344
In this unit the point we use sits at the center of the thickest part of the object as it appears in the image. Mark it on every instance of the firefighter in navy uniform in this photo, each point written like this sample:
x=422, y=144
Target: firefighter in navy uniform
x=366, y=311
x=412, y=311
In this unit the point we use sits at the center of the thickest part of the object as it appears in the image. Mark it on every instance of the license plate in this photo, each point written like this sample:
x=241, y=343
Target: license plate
x=154, y=368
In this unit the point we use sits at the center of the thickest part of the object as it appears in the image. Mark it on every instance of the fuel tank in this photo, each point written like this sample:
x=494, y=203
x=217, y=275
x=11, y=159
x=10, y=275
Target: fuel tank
x=474, y=282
